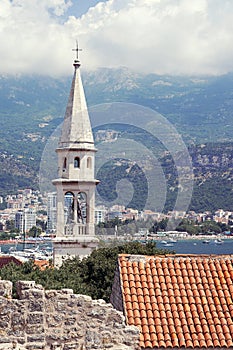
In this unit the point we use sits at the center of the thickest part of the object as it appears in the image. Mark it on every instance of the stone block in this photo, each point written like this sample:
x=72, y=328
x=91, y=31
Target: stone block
x=115, y=318
x=35, y=347
x=36, y=305
x=6, y=306
x=75, y=346
x=36, y=338
x=51, y=293
x=4, y=321
x=60, y=306
x=18, y=319
x=5, y=346
x=34, y=329
x=131, y=330
x=31, y=294
x=16, y=333
x=22, y=285
x=66, y=291
x=70, y=321
x=4, y=338
x=54, y=320
x=35, y=318
x=5, y=289
x=82, y=300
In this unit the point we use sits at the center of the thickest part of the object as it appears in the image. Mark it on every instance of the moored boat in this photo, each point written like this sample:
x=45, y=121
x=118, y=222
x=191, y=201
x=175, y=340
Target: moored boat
x=218, y=241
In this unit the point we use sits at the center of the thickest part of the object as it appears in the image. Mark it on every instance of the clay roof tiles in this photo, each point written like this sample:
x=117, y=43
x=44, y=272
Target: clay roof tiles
x=179, y=301
x=5, y=260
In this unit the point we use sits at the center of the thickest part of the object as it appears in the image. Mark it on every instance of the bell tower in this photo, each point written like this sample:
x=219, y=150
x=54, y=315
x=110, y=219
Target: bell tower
x=75, y=185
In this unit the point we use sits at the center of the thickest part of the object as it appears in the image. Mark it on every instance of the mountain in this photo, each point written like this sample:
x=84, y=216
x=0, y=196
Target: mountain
x=200, y=108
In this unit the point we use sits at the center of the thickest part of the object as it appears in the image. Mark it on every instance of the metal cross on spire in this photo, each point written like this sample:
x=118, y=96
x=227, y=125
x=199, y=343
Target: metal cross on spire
x=77, y=50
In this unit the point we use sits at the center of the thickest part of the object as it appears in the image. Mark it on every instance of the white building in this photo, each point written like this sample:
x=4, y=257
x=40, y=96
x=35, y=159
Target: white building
x=100, y=214
x=25, y=219
x=52, y=211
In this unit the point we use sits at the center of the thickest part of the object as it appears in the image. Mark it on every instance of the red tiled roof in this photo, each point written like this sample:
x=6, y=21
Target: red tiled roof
x=5, y=260
x=179, y=301
x=42, y=264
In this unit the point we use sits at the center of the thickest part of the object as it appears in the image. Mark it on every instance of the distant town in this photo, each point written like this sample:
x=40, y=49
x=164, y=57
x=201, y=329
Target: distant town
x=28, y=212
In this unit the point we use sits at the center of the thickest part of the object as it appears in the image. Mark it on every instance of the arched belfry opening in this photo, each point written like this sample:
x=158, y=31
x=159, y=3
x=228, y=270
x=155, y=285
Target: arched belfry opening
x=82, y=207
x=76, y=162
x=69, y=207
x=75, y=233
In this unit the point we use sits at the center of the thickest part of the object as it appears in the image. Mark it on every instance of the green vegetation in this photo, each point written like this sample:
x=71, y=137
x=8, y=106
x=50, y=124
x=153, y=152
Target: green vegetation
x=199, y=108
x=123, y=227
x=34, y=231
x=206, y=227
x=10, y=226
x=91, y=276
x=5, y=235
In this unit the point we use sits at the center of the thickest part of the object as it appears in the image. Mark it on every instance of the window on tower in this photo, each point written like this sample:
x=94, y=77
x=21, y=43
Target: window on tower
x=64, y=164
x=89, y=162
x=77, y=162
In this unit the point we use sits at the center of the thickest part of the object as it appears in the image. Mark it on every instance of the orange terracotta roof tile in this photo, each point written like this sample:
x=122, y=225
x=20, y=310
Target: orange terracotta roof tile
x=179, y=301
x=148, y=344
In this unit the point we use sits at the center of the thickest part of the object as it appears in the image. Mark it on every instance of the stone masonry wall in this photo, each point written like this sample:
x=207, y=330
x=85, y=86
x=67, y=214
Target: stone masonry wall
x=61, y=320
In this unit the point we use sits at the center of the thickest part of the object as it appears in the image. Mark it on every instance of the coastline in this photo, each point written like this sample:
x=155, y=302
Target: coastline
x=190, y=238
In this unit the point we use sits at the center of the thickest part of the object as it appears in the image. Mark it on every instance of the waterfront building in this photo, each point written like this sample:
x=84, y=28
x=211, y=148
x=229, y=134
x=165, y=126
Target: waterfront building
x=52, y=211
x=25, y=219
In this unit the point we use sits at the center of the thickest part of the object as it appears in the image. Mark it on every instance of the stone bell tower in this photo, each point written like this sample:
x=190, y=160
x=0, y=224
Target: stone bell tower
x=75, y=185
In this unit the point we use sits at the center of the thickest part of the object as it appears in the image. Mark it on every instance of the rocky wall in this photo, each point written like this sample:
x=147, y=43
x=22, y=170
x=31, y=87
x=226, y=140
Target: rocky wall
x=61, y=320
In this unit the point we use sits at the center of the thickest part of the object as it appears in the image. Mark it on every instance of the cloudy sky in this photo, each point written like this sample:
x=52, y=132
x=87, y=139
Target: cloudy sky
x=161, y=36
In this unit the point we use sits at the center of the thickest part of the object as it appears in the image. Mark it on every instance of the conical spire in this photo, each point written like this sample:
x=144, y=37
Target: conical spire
x=76, y=130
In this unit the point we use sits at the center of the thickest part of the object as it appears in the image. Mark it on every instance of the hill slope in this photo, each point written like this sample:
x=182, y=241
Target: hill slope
x=201, y=108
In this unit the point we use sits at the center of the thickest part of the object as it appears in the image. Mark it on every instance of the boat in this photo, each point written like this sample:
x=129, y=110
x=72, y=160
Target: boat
x=218, y=241
x=163, y=242
x=172, y=240
x=30, y=254
x=206, y=241
x=168, y=244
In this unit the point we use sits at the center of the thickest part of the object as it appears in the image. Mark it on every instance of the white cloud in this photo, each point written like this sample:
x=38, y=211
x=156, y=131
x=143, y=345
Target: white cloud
x=33, y=39
x=162, y=36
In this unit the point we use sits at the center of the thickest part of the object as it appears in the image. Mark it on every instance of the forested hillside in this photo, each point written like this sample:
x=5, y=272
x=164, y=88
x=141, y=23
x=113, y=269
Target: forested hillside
x=201, y=109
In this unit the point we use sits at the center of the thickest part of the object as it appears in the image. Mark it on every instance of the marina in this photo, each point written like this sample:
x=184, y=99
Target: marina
x=24, y=251
x=42, y=249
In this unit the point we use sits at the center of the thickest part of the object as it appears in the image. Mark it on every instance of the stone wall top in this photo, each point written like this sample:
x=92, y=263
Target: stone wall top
x=60, y=319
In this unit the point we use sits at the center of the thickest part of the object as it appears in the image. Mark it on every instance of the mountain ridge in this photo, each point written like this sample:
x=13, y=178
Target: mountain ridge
x=200, y=108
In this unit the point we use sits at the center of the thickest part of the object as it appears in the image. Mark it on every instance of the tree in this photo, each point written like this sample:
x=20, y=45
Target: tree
x=42, y=224
x=34, y=231
x=210, y=226
x=97, y=270
x=188, y=226
x=10, y=226
x=159, y=226
x=91, y=276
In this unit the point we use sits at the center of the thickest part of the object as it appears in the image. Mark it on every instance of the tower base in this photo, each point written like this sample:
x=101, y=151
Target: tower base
x=69, y=247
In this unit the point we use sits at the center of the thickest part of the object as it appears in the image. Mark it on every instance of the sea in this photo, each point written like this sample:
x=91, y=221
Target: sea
x=199, y=246
x=181, y=246
x=8, y=247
